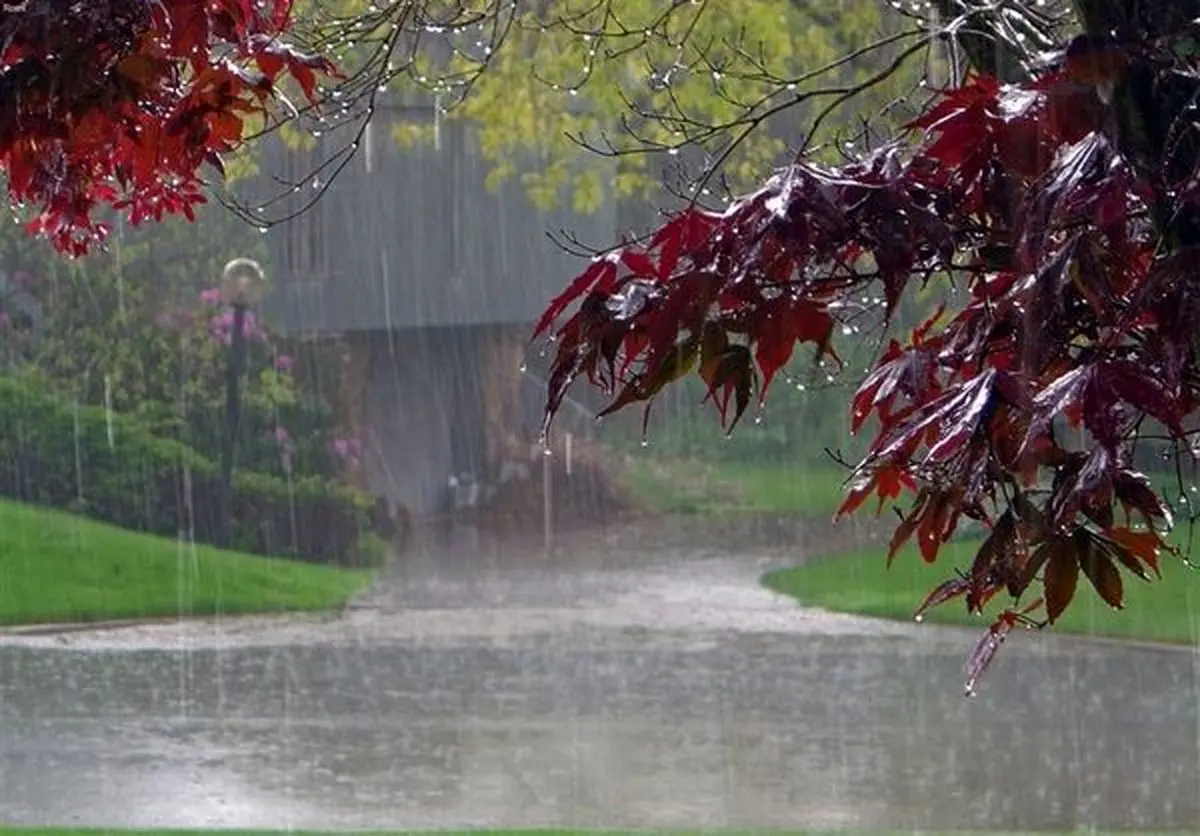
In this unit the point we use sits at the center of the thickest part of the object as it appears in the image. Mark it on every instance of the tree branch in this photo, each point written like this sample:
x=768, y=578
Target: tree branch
x=986, y=50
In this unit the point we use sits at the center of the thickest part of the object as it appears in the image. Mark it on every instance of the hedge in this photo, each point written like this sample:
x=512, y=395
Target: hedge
x=112, y=468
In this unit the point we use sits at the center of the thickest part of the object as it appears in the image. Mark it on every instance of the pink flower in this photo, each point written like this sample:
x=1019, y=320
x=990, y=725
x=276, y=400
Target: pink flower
x=220, y=326
x=210, y=296
x=347, y=448
x=284, y=363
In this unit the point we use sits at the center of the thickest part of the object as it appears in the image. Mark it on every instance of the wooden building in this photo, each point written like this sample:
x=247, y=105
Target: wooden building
x=434, y=282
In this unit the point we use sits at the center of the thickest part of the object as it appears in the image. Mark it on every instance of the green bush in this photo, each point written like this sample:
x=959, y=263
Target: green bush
x=110, y=467
x=372, y=552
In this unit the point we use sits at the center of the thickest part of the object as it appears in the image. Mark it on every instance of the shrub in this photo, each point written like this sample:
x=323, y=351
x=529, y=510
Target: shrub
x=116, y=339
x=110, y=467
x=372, y=551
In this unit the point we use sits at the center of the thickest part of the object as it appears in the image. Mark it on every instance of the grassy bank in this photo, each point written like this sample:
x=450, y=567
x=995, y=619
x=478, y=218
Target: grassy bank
x=55, y=567
x=1165, y=610
x=690, y=486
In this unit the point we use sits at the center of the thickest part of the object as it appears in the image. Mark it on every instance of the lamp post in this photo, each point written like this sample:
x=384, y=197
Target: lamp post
x=242, y=285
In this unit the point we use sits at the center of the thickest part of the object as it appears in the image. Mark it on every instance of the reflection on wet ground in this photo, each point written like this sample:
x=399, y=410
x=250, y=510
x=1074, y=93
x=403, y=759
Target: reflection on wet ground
x=627, y=690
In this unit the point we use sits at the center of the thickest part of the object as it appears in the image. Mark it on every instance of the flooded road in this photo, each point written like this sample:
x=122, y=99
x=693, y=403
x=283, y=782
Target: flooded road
x=625, y=690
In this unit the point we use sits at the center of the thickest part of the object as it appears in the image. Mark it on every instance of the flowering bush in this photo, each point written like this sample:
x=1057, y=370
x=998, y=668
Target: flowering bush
x=112, y=468
x=111, y=343
x=284, y=430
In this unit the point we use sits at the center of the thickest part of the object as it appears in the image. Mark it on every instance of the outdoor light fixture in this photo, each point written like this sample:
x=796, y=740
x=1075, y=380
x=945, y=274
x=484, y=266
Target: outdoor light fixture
x=243, y=282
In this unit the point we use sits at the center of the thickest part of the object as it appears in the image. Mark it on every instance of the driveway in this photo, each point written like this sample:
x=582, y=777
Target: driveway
x=629, y=685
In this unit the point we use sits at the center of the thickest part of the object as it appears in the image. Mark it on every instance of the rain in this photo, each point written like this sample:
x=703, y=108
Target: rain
x=284, y=544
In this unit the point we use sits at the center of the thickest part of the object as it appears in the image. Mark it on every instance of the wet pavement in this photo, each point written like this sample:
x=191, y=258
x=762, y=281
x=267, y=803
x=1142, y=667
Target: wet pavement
x=621, y=688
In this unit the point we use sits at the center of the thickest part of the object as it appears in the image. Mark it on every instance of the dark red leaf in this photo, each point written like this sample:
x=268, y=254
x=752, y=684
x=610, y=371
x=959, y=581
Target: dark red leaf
x=1130, y=381
x=796, y=320
x=943, y=592
x=1061, y=578
x=947, y=423
x=598, y=276
x=1025, y=573
x=907, y=526
x=1056, y=399
x=1099, y=569
x=886, y=482
x=639, y=264
x=993, y=563
x=986, y=648
x=909, y=373
x=661, y=369
x=729, y=374
x=1133, y=490
x=1134, y=546
x=890, y=482
x=984, y=652
x=938, y=522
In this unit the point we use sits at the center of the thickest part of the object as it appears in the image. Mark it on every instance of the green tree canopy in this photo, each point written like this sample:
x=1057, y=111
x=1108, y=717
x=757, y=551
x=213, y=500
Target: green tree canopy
x=732, y=86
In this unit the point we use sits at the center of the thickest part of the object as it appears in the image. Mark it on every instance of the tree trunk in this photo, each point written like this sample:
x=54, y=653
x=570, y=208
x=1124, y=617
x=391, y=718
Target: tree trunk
x=1149, y=104
x=1124, y=18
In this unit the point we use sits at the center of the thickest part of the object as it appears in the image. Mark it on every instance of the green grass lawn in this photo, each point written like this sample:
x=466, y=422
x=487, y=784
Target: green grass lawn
x=1164, y=610
x=686, y=486
x=55, y=567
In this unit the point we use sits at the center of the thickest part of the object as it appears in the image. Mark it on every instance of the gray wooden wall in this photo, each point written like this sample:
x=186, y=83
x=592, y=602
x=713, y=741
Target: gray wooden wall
x=411, y=237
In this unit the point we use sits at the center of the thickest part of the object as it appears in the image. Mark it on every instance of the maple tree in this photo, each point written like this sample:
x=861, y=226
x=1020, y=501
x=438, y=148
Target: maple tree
x=1063, y=204
x=122, y=103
